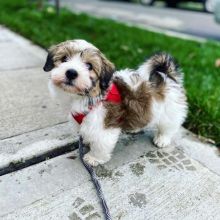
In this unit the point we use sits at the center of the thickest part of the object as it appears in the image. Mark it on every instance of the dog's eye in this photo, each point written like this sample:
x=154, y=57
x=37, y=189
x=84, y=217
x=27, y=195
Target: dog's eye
x=64, y=59
x=89, y=66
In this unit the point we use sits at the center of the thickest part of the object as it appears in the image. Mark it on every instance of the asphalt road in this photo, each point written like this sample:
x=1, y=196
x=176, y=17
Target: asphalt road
x=196, y=23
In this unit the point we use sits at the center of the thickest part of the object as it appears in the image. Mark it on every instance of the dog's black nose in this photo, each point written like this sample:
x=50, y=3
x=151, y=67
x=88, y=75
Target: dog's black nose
x=71, y=74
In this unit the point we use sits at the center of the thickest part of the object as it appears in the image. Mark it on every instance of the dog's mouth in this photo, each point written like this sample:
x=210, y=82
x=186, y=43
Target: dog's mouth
x=71, y=87
x=68, y=83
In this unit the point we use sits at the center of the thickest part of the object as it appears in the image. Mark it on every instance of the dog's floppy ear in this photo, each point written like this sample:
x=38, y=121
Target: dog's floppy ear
x=107, y=71
x=49, y=65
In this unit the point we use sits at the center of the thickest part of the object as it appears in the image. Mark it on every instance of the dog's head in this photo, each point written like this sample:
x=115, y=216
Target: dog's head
x=78, y=67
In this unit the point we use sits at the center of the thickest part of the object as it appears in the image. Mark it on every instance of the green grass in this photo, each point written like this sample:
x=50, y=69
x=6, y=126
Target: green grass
x=128, y=47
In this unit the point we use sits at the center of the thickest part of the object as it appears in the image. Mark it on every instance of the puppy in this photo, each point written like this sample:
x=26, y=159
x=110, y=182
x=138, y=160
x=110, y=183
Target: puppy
x=103, y=103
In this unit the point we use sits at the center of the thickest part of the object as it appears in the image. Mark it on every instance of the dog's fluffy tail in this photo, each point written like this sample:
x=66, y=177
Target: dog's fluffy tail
x=160, y=68
x=163, y=66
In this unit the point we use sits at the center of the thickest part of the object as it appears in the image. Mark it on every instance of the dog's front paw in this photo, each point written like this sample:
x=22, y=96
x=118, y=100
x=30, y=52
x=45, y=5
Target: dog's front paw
x=162, y=141
x=91, y=160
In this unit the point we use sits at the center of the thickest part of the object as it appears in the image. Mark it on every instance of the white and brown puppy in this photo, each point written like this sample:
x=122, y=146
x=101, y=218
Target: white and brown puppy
x=104, y=102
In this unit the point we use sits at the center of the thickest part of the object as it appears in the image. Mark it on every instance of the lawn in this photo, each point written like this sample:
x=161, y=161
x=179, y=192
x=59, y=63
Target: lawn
x=128, y=47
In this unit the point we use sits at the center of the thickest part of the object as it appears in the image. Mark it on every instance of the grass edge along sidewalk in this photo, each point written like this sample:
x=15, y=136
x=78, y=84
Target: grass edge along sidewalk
x=128, y=47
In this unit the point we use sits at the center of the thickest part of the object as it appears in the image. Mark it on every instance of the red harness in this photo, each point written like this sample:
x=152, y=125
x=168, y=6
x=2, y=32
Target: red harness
x=112, y=95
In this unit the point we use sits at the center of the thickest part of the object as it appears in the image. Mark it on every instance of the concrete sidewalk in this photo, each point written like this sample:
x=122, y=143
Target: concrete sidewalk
x=31, y=122
x=24, y=99
x=140, y=182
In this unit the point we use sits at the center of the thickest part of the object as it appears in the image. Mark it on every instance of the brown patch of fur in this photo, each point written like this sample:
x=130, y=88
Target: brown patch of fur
x=102, y=70
x=92, y=56
x=107, y=71
x=159, y=92
x=95, y=91
x=64, y=49
x=163, y=62
x=134, y=112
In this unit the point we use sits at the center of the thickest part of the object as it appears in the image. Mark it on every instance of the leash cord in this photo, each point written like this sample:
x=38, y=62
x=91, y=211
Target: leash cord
x=95, y=181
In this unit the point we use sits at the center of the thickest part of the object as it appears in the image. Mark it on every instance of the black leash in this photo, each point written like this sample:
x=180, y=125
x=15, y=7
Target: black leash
x=95, y=181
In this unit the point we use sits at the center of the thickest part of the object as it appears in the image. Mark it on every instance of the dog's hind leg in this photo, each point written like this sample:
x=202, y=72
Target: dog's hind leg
x=169, y=123
x=164, y=135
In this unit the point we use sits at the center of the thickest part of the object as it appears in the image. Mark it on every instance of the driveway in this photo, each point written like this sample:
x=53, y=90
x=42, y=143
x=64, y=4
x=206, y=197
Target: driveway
x=195, y=23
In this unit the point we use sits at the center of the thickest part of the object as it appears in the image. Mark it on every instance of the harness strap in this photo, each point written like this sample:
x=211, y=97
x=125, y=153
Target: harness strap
x=78, y=117
x=113, y=95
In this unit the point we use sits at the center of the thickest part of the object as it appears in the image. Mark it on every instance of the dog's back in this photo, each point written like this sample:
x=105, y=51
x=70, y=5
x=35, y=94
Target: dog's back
x=152, y=93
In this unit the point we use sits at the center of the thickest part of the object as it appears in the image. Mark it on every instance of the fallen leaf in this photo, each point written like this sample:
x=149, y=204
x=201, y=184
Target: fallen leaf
x=72, y=157
x=217, y=63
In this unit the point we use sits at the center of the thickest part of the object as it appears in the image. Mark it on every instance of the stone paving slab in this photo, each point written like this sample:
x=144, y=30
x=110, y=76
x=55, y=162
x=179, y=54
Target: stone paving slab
x=40, y=143
x=206, y=154
x=25, y=102
x=17, y=52
x=25, y=44
x=148, y=184
x=31, y=122
x=4, y=37
x=21, y=57
x=33, y=183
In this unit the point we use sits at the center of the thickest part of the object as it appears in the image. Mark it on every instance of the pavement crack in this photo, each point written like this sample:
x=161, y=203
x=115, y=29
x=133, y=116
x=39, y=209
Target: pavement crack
x=18, y=165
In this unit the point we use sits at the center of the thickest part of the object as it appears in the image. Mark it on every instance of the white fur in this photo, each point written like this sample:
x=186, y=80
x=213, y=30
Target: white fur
x=129, y=77
x=101, y=140
x=83, y=80
x=167, y=115
x=144, y=71
x=82, y=45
